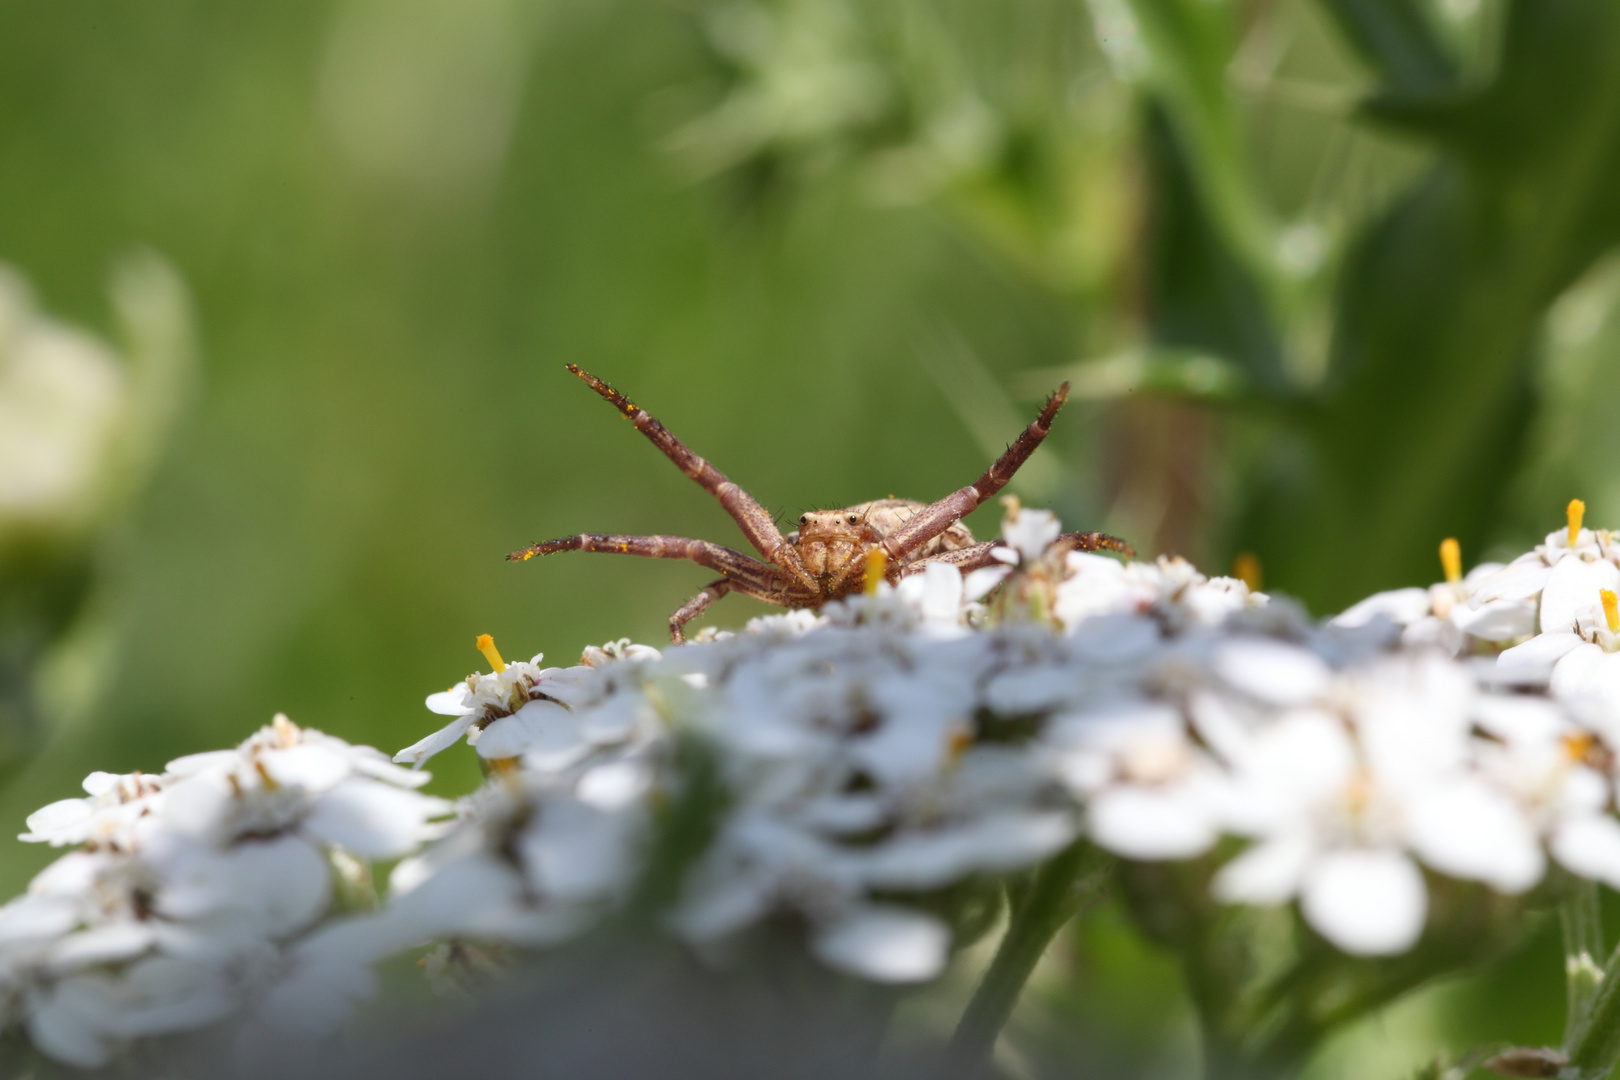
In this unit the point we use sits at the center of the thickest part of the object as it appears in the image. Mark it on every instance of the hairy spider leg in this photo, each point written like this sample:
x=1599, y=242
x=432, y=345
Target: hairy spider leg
x=745, y=570
x=935, y=518
x=753, y=519
x=1095, y=541
x=694, y=607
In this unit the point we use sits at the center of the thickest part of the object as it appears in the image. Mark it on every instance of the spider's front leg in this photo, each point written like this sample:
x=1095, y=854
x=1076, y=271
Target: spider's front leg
x=937, y=517
x=753, y=519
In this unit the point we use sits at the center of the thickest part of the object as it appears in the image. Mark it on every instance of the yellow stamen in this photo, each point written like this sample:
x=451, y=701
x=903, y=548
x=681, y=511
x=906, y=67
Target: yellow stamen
x=877, y=566
x=505, y=766
x=1451, y=559
x=1611, y=609
x=1578, y=745
x=1576, y=511
x=1246, y=568
x=486, y=645
x=1012, y=504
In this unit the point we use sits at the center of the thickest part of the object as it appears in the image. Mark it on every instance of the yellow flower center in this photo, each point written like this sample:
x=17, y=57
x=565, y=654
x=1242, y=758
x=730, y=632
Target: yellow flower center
x=1611, y=609
x=877, y=564
x=1246, y=568
x=1576, y=511
x=486, y=645
x=1451, y=559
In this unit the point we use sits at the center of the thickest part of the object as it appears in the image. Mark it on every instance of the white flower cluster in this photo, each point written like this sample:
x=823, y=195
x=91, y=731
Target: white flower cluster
x=872, y=761
x=193, y=894
x=886, y=749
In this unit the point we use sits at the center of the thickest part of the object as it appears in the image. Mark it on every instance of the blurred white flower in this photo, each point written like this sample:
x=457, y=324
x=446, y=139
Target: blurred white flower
x=191, y=884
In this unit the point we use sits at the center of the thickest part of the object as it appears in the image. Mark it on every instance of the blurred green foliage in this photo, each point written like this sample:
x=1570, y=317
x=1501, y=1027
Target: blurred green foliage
x=1330, y=279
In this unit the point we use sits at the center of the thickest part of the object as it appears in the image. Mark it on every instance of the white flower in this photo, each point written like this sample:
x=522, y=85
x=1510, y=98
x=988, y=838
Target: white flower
x=1344, y=790
x=191, y=883
x=1030, y=532
x=108, y=817
x=520, y=707
x=1170, y=589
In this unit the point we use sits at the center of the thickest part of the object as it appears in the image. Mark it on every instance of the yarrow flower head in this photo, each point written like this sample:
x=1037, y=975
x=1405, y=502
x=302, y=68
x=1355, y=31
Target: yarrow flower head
x=191, y=889
x=859, y=775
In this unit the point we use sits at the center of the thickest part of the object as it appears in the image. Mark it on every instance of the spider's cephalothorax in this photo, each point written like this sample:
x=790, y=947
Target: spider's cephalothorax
x=828, y=556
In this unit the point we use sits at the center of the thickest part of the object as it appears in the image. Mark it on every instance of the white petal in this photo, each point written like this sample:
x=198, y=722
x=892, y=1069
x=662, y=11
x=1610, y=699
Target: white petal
x=1031, y=532
x=451, y=702
x=615, y=785
x=1365, y=902
x=978, y=583
x=372, y=820
x=69, y=1022
x=1531, y=664
x=1589, y=845
x=60, y=822
x=997, y=842
x=101, y=945
x=1465, y=829
x=418, y=752
x=1400, y=606
x=1272, y=671
x=1268, y=873
x=98, y=783
x=279, y=885
x=1517, y=581
x=1587, y=673
x=543, y=730
x=942, y=595
x=313, y=768
x=1152, y=823
x=1573, y=585
x=1499, y=620
x=885, y=944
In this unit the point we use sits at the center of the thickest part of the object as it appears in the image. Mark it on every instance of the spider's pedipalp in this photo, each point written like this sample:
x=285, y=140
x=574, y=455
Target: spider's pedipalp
x=752, y=518
x=935, y=518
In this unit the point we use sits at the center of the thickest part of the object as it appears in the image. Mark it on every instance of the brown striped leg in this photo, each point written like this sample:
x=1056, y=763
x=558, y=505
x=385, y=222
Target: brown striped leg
x=754, y=521
x=694, y=607
x=937, y=517
x=744, y=569
x=965, y=559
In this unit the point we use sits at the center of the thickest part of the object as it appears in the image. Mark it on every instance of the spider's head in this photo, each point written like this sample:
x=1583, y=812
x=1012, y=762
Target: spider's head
x=827, y=525
x=832, y=547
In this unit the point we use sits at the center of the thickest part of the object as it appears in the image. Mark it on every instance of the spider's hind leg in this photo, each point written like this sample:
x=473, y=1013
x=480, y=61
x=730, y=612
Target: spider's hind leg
x=695, y=607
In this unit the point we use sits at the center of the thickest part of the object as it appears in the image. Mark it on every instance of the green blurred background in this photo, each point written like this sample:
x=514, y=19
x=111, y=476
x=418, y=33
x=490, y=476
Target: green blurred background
x=1330, y=277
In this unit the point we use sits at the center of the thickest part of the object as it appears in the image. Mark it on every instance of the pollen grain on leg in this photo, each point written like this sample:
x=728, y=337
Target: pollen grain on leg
x=1576, y=511
x=1451, y=559
x=486, y=645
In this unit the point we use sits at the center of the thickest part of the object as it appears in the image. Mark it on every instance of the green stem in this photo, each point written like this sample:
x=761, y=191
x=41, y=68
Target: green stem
x=1058, y=893
x=1596, y=1047
x=1582, y=922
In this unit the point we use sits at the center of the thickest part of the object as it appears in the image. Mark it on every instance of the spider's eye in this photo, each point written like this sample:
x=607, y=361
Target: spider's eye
x=853, y=519
x=804, y=519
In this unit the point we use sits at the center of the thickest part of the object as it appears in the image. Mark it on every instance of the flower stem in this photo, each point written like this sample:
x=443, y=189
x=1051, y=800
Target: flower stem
x=1057, y=894
x=1582, y=922
x=1595, y=1045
